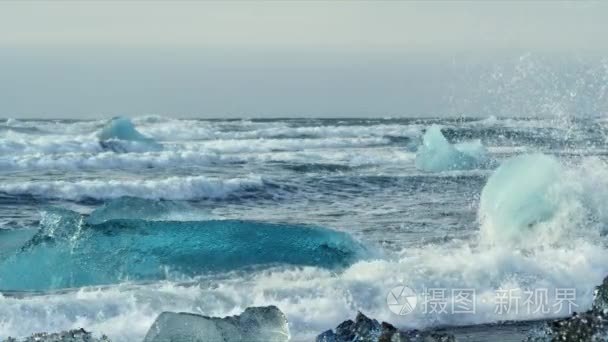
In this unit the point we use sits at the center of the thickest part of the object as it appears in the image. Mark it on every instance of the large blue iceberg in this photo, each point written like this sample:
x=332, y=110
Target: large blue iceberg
x=120, y=135
x=69, y=252
x=436, y=154
x=518, y=196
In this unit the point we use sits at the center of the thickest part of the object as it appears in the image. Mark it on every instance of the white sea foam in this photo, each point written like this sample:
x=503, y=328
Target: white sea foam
x=173, y=188
x=19, y=143
x=59, y=126
x=197, y=156
x=110, y=160
x=566, y=251
x=353, y=157
x=270, y=145
x=12, y=143
x=316, y=299
x=493, y=121
x=171, y=130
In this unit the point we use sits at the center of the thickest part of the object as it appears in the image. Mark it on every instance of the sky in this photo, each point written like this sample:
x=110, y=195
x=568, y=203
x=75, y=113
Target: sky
x=87, y=59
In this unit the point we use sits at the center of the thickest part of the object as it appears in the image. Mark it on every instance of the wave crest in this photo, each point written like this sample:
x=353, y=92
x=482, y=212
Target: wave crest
x=172, y=188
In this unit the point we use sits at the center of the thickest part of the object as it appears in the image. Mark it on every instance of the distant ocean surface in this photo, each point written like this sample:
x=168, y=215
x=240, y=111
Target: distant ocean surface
x=320, y=217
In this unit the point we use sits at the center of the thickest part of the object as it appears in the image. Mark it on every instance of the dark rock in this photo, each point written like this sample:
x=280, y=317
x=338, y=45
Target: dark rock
x=327, y=336
x=600, y=302
x=387, y=331
x=422, y=336
x=345, y=331
x=77, y=335
x=365, y=329
x=581, y=327
x=584, y=327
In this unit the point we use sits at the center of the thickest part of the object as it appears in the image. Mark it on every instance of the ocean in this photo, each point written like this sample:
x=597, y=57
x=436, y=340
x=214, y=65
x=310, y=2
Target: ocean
x=105, y=228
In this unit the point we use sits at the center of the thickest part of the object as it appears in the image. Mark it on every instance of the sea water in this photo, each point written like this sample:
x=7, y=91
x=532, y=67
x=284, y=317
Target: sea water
x=320, y=217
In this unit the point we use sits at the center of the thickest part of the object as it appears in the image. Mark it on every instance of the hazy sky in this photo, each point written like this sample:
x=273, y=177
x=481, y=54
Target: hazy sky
x=271, y=58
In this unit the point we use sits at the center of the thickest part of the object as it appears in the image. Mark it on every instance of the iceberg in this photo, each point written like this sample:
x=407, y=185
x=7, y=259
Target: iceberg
x=68, y=251
x=518, y=195
x=255, y=324
x=121, y=128
x=11, y=240
x=436, y=154
x=120, y=135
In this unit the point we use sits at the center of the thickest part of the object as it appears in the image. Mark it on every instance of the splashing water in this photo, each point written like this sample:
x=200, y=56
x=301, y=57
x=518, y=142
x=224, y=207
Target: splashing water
x=537, y=222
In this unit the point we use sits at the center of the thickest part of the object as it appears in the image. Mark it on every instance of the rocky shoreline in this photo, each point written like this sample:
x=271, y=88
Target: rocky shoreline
x=269, y=324
x=76, y=335
x=364, y=328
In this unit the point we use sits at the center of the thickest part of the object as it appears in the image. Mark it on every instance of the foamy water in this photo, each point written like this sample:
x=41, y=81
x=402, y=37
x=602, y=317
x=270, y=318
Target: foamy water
x=422, y=230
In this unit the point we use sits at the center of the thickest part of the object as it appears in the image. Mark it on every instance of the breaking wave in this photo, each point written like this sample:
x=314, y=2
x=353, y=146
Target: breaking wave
x=542, y=224
x=172, y=188
x=110, y=160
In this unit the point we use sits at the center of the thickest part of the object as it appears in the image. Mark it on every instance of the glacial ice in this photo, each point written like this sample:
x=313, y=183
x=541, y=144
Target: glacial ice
x=518, y=196
x=436, y=154
x=13, y=239
x=120, y=135
x=70, y=252
x=121, y=128
x=255, y=324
